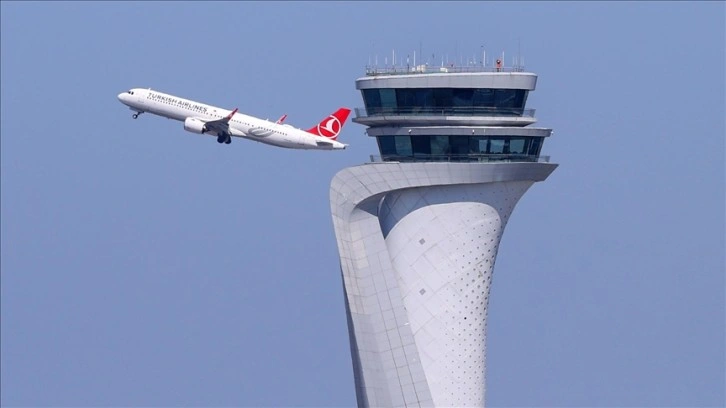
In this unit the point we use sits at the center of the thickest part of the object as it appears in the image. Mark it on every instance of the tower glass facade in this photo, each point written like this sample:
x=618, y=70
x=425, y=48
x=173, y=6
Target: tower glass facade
x=462, y=101
x=459, y=148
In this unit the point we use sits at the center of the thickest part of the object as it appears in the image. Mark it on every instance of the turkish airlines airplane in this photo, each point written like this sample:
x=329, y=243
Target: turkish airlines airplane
x=211, y=120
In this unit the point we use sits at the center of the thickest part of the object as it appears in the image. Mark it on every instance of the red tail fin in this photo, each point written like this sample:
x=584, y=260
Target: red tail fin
x=229, y=117
x=331, y=126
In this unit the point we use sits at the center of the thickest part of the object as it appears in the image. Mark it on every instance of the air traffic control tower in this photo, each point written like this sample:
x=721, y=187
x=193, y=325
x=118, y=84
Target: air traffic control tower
x=418, y=228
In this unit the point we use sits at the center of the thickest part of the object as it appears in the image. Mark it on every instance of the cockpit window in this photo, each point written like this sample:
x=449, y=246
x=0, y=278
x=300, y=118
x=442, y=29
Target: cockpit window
x=130, y=92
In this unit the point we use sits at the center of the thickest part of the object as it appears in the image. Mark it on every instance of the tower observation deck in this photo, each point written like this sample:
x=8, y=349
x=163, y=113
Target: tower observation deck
x=419, y=227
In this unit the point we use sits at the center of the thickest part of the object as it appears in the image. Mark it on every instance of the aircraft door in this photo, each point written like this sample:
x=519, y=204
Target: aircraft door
x=141, y=97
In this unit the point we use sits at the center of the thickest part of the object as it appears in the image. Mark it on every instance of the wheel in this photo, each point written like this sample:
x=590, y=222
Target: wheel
x=135, y=115
x=220, y=139
x=229, y=140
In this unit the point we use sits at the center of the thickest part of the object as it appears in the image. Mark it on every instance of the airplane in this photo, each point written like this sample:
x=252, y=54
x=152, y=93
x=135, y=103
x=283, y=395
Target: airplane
x=210, y=120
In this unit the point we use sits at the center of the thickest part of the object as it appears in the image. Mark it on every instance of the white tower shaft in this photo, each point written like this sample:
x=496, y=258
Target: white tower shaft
x=417, y=243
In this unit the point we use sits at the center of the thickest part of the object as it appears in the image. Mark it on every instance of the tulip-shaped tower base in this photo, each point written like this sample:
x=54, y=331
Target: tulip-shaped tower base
x=417, y=253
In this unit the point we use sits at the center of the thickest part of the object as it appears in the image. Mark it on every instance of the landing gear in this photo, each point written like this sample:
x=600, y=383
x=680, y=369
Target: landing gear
x=224, y=138
x=136, y=115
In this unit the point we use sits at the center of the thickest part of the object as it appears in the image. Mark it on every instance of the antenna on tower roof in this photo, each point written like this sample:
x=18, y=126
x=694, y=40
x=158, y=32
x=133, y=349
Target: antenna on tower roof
x=373, y=52
x=519, y=53
x=420, y=49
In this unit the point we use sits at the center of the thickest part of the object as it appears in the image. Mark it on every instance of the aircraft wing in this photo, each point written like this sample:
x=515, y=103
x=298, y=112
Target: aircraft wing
x=219, y=125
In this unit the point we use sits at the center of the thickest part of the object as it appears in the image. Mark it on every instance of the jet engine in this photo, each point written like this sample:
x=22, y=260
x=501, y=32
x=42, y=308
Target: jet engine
x=193, y=125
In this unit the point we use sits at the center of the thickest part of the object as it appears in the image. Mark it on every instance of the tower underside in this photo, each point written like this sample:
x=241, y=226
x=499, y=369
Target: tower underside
x=418, y=243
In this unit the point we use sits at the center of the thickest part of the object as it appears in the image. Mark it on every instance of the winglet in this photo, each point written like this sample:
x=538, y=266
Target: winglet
x=229, y=117
x=282, y=119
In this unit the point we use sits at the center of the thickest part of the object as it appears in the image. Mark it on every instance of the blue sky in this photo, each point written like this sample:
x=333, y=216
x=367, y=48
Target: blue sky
x=143, y=265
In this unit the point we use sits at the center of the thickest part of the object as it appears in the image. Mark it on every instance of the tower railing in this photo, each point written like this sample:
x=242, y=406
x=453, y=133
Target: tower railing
x=471, y=157
x=429, y=69
x=444, y=110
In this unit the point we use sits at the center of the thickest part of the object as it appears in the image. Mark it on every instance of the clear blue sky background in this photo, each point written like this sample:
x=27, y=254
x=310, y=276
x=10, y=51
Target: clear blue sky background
x=143, y=265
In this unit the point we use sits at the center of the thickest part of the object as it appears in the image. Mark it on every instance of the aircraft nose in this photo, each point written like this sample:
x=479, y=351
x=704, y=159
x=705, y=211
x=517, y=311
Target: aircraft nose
x=122, y=96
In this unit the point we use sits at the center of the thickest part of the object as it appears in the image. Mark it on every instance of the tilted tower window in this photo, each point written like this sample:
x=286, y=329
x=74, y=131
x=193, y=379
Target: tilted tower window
x=459, y=148
x=444, y=100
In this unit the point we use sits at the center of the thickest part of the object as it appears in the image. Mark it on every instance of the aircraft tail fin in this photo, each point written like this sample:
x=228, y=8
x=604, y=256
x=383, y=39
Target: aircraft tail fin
x=229, y=117
x=331, y=126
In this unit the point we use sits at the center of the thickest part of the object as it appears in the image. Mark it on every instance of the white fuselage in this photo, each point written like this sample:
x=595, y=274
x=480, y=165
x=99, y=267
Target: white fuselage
x=240, y=125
